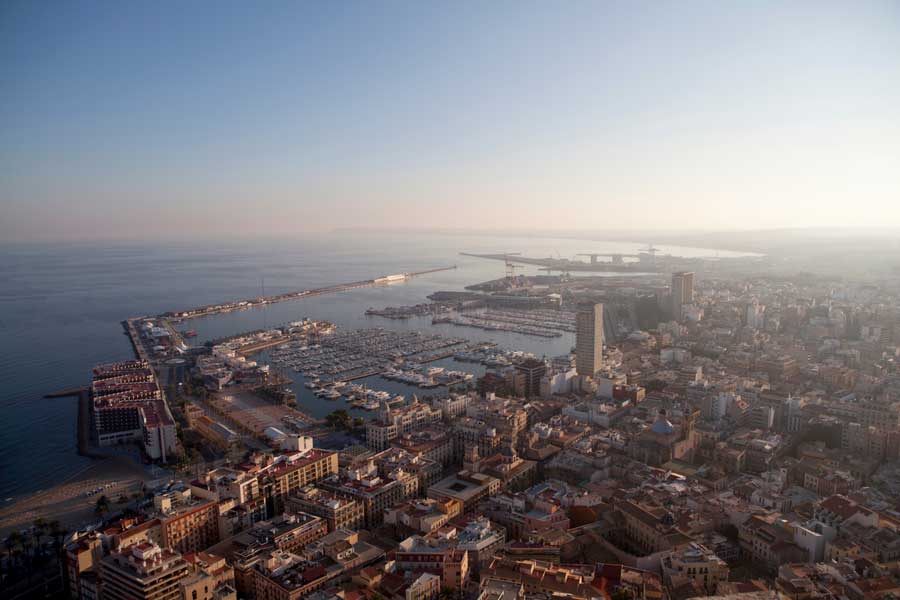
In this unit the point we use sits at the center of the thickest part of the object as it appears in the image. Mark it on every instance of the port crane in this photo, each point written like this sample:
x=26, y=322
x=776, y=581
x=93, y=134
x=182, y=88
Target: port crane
x=617, y=259
x=511, y=272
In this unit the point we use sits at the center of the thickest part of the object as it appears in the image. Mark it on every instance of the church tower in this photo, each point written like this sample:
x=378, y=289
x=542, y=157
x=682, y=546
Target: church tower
x=471, y=459
x=384, y=413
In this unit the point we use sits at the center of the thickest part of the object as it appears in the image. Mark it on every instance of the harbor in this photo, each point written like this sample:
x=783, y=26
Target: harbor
x=248, y=375
x=295, y=374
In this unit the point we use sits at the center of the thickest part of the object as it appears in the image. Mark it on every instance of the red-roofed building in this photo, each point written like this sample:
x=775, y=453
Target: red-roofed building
x=838, y=511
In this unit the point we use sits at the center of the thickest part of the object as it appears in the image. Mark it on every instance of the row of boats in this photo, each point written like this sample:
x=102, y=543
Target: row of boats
x=542, y=323
x=427, y=377
x=493, y=357
x=353, y=354
x=358, y=396
x=493, y=325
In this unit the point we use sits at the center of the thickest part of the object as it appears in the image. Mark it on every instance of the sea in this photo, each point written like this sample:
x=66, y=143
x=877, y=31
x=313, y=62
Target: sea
x=61, y=307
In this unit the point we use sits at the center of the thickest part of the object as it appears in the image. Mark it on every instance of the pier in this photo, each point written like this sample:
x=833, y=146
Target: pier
x=83, y=418
x=131, y=331
x=84, y=426
x=213, y=309
x=257, y=347
x=66, y=393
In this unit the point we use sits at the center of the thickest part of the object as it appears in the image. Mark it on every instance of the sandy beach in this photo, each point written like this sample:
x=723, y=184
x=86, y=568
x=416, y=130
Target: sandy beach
x=68, y=502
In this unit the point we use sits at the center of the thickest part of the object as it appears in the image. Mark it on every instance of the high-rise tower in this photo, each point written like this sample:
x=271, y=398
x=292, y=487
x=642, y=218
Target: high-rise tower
x=682, y=292
x=588, y=339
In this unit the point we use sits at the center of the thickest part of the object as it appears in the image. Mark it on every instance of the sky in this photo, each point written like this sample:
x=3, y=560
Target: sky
x=162, y=119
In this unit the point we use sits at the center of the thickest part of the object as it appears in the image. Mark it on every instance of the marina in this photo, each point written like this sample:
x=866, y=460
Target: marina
x=334, y=366
x=547, y=323
x=354, y=354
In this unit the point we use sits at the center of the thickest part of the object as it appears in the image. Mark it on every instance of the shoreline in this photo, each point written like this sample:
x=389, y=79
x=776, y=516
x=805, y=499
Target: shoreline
x=67, y=502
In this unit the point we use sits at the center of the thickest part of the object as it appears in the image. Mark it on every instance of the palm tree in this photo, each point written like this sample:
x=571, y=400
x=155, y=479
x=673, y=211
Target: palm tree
x=57, y=533
x=38, y=530
x=8, y=544
x=13, y=542
x=16, y=550
x=27, y=545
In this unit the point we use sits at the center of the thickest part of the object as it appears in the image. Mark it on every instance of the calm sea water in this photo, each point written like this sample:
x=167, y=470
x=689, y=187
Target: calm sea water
x=61, y=305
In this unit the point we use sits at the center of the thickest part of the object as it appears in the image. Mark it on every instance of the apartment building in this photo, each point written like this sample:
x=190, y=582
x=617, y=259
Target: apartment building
x=391, y=423
x=338, y=511
x=188, y=523
x=143, y=572
x=292, y=472
x=694, y=563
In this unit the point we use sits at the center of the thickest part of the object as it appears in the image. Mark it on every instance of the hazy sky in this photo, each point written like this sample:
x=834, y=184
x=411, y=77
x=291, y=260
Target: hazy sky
x=190, y=118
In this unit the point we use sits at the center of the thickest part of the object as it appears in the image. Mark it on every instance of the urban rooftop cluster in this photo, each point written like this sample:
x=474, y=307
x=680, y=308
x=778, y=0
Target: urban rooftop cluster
x=722, y=436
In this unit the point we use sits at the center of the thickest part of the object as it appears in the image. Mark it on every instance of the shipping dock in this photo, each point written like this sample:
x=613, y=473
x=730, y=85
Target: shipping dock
x=565, y=265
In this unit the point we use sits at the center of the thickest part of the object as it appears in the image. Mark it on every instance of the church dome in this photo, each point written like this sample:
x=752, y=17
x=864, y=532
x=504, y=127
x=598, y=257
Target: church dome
x=662, y=425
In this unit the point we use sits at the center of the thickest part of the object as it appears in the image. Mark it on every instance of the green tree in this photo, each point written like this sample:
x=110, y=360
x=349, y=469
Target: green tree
x=13, y=545
x=102, y=506
x=338, y=419
x=446, y=594
x=38, y=529
x=57, y=533
x=27, y=546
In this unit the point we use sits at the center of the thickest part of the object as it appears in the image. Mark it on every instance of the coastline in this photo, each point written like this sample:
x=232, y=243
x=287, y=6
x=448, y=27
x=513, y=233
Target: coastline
x=66, y=501
x=92, y=311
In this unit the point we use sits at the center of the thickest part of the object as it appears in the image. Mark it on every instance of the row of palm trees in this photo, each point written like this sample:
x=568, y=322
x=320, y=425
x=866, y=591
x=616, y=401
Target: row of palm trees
x=30, y=552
